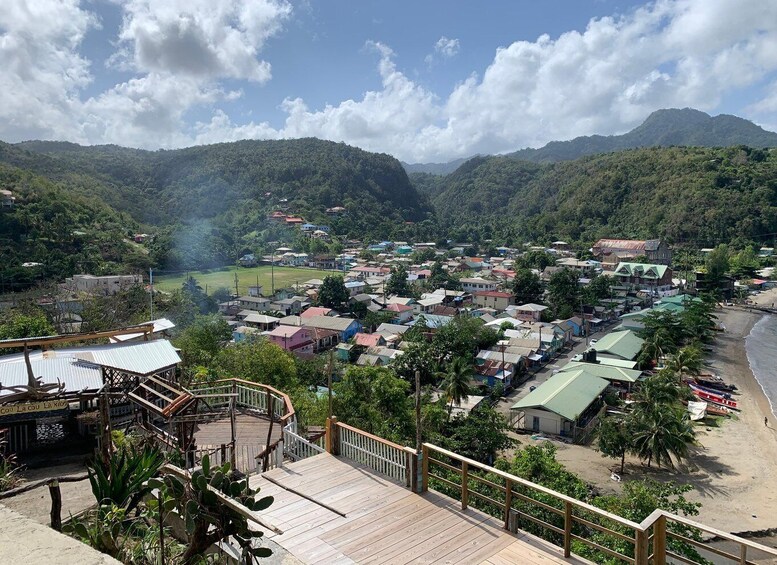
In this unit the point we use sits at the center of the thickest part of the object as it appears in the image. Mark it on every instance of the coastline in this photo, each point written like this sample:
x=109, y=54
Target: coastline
x=734, y=468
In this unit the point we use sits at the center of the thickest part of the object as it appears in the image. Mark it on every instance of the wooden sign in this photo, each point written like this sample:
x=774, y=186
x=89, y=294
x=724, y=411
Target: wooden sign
x=32, y=408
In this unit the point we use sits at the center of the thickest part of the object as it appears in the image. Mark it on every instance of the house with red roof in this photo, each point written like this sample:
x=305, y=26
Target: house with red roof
x=402, y=313
x=316, y=311
x=369, y=340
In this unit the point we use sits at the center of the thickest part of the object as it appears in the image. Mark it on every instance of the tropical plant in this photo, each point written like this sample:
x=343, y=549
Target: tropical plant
x=456, y=383
x=687, y=361
x=662, y=432
x=207, y=519
x=614, y=439
x=333, y=293
x=121, y=481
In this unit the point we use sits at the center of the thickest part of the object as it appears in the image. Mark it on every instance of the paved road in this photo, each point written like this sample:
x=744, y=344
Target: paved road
x=542, y=375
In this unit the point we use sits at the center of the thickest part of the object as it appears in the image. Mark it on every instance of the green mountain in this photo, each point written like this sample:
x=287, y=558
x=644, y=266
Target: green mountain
x=210, y=204
x=686, y=195
x=663, y=128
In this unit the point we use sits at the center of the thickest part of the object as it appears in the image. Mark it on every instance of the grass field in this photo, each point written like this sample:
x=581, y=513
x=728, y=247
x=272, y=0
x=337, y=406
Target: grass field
x=213, y=279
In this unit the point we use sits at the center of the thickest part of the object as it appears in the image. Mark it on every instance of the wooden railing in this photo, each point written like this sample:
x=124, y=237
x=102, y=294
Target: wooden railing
x=297, y=447
x=383, y=456
x=250, y=395
x=569, y=522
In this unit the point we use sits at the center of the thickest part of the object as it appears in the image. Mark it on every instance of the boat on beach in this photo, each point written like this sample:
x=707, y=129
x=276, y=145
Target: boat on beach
x=712, y=397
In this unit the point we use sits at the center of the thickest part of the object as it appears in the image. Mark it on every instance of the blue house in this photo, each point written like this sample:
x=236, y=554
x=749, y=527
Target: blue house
x=346, y=328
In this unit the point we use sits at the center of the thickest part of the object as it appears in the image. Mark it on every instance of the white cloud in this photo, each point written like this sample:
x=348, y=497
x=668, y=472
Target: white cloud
x=447, y=47
x=603, y=79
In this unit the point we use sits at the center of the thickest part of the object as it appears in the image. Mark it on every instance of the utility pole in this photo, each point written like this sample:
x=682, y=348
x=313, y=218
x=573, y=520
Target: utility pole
x=272, y=272
x=151, y=287
x=237, y=292
x=329, y=369
x=418, y=411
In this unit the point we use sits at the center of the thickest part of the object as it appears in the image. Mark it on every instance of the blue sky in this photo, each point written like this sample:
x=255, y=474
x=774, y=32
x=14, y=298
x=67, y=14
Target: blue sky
x=424, y=81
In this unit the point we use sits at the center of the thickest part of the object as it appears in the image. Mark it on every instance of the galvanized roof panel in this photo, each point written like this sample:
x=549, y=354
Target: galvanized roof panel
x=75, y=374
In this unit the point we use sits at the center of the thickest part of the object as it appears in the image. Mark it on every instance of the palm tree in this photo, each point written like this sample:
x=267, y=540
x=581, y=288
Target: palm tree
x=686, y=361
x=456, y=383
x=655, y=346
x=663, y=388
x=661, y=433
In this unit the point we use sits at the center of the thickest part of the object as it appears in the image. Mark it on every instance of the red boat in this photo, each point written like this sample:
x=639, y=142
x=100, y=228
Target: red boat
x=714, y=398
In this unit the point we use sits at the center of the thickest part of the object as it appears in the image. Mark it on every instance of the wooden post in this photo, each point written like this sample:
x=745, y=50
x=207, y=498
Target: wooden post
x=412, y=468
x=232, y=417
x=464, y=485
x=223, y=454
x=329, y=369
x=659, y=541
x=640, y=548
x=424, y=468
x=161, y=529
x=331, y=435
x=106, y=441
x=56, y=505
x=567, y=529
x=743, y=554
x=266, y=462
x=508, y=501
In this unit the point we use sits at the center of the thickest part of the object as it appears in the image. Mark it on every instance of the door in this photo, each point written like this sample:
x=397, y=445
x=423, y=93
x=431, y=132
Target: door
x=535, y=423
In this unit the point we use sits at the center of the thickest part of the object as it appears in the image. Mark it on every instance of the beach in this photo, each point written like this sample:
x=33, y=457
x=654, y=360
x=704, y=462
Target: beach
x=734, y=469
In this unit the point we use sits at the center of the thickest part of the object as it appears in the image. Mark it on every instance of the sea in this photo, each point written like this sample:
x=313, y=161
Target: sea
x=761, y=347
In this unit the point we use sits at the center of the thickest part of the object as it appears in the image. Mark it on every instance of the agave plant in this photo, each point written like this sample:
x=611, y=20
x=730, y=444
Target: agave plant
x=122, y=481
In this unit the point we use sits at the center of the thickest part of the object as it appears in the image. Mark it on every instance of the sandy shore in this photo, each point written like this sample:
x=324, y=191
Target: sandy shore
x=734, y=472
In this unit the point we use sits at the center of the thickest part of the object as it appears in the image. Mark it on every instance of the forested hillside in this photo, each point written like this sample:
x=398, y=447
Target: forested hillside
x=62, y=231
x=698, y=195
x=209, y=204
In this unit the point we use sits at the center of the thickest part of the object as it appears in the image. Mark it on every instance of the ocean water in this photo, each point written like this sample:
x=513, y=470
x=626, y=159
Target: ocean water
x=761, y=347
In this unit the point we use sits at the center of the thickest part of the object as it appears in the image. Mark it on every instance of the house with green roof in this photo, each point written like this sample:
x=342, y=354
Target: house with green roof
x=619, y=376
x=644, y=276
x=619, y=345
x=567, y=404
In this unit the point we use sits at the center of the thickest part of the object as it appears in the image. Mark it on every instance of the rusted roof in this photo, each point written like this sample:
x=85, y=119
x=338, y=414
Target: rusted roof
x=632, y=244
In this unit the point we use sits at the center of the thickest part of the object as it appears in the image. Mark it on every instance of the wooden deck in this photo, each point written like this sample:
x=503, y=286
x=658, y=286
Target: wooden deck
x=366, y=518
x=250, y=437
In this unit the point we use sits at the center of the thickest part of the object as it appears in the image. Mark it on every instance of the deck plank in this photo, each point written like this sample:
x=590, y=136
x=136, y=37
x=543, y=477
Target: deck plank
x=385, y=522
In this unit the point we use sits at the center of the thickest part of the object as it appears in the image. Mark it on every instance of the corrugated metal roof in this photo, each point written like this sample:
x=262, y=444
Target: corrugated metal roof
x=625, y=344
x=143, y=358
x=566, y=394
x=75, y=374
x=632, y=244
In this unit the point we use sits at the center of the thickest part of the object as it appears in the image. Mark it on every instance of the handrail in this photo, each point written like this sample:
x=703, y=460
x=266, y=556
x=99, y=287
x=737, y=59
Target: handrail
x=535, y=486
x=371, y=436
x=643, y=539
x=289, y=411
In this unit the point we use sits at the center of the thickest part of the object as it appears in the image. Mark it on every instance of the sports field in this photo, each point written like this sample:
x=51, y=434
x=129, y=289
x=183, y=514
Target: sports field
x=213, y=279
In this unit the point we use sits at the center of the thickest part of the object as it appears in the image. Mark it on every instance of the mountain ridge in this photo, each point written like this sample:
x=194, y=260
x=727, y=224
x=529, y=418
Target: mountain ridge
x=662, y=128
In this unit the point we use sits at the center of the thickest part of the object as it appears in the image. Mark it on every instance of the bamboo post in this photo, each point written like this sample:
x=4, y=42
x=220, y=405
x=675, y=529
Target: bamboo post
x=56, y=505
x=567, y=529
x=659, y=541
x=464, y=485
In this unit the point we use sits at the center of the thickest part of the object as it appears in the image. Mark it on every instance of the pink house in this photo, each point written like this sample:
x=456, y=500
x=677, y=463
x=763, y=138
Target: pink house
x=292, y=338
x=315, y=311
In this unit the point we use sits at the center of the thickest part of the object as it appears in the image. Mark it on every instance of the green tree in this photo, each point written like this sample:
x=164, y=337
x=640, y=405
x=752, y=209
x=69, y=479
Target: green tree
x=456, y=383
x=717, y=264
x=375, y=400
x=662, y=432
x=260, y=361
x=463, y=338
x=687, y=361
x=333, y=293
x=397, y=283
x=564, y=293
x=203, y=339
x=480, y=435
x=744, y=264
x=527, y=287
x=537, y=260
x=614, y=439
x=18, y=325
x=597, y=289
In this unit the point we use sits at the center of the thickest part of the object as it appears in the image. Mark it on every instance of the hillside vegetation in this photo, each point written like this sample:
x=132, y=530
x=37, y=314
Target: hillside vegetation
x=696, y=195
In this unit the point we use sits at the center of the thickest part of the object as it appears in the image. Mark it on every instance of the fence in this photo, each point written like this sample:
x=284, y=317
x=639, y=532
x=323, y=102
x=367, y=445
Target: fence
x=568, y=522
x=385, y=457
x=297, y=447
x=248, y=395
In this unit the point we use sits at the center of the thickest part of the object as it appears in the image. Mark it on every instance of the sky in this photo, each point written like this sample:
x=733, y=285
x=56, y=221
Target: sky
x=425, y=81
